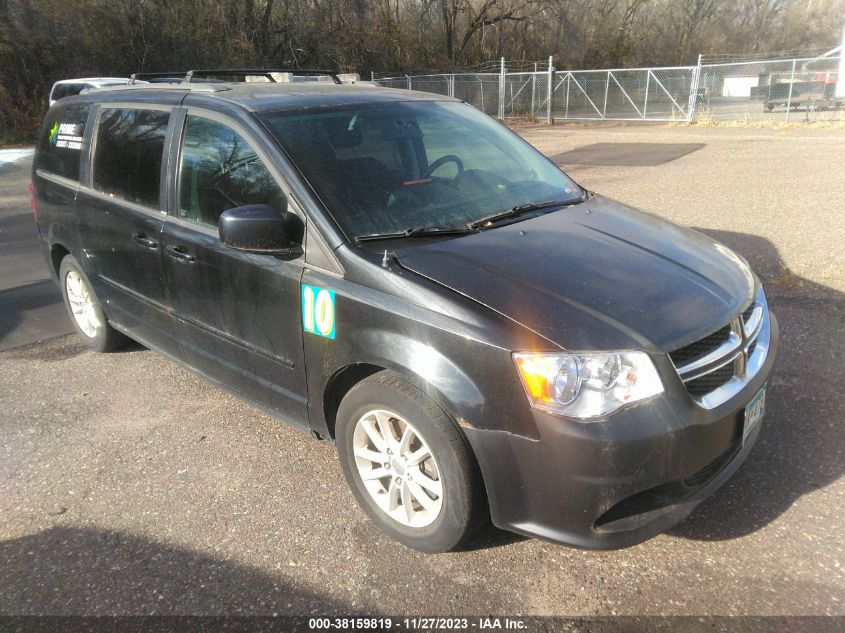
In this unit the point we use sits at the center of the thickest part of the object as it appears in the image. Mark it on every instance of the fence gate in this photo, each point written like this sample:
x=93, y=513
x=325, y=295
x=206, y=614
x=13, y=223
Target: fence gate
x=621, y=94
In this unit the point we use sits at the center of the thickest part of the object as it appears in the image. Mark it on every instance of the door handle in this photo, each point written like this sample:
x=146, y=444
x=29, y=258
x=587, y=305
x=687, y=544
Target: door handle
x=143, y=240
x=177, y=252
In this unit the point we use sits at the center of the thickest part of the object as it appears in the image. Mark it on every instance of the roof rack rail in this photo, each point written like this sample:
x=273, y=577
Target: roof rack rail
x=189, y=76
x=265, y=72
x=179, y=74
x=168, y=85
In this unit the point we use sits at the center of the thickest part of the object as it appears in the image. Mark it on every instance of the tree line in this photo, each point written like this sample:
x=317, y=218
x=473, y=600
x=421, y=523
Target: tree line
x=42, y=41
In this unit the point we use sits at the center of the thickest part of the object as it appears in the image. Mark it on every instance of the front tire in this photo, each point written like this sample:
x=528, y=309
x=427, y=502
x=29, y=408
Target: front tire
x=84, y=309
x=408, y=465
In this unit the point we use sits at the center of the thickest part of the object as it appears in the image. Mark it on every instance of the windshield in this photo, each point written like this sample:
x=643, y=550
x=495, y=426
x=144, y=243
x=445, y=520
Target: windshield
x=391, y=167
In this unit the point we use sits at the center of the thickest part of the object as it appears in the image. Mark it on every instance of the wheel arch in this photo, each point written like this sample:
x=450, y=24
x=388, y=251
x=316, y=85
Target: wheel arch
x=62, y=242
x=421, y=365
x=58, y=252
x=339, y=385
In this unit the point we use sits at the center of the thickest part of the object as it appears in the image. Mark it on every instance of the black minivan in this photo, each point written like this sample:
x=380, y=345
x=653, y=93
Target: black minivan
x=397, y=272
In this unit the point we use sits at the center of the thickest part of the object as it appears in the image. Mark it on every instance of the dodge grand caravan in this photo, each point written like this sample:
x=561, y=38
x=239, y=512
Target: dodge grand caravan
x=398, y=273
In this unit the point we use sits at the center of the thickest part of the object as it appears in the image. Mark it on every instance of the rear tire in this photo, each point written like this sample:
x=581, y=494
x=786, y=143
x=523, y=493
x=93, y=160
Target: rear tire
x=84, y=309
x=408, y=465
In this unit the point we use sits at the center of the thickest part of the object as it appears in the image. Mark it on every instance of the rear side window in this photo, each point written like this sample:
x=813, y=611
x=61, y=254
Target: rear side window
x=60, y=145
x=128, y=154
x=220, y=171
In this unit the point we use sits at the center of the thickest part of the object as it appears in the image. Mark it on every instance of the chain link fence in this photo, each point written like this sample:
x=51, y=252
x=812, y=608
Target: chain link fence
x=481, y=90
x=779, y=90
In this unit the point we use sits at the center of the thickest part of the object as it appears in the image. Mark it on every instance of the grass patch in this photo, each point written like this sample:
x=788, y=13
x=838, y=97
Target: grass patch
x=768, y=125
x=704, y=119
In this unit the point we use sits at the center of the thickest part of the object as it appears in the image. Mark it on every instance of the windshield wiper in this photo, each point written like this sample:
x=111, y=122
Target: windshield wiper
x=427, y=231
x=520, y=209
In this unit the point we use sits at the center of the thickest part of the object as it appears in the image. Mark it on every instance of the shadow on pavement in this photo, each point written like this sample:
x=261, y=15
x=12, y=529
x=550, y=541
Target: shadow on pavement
x=70, y=570
x=31, y=312
x=9, y=168
x=490, y=537
x=800, y=448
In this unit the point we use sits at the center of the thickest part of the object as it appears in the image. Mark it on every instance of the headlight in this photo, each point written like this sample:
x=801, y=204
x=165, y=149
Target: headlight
x=587, y=385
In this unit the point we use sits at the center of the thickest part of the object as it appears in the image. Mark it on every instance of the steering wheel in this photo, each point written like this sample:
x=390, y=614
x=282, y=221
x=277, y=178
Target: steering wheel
x=448, y=158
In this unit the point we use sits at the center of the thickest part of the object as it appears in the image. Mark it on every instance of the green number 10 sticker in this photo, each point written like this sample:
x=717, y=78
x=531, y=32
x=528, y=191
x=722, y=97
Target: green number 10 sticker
x=318, y=311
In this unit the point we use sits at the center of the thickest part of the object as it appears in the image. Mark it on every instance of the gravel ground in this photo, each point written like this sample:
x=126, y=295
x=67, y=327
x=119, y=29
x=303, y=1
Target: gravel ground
x=129, y=486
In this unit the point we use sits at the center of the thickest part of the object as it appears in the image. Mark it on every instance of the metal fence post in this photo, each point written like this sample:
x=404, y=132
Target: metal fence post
x=566, y=109
x=550, y=89
x=408, y=78
x=789, y=98
x=694, y=84
x=502, y=90
x=533, y=90
x=839, y=91
x=606, y=91
x=372, y=76
x=647, y=82
x=452, y=85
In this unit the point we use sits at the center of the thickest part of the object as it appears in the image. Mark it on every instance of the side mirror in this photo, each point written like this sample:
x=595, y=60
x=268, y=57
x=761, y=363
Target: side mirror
x=258, y=228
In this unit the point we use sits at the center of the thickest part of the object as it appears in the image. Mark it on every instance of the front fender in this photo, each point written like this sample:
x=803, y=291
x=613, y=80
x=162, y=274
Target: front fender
x=461, y=359
x=421, y=365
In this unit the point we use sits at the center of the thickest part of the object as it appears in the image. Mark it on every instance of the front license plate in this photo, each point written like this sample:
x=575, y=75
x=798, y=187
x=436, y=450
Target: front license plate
x=754, y=413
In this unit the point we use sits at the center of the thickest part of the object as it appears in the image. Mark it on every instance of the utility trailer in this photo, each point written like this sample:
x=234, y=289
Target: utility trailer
x=804, y=90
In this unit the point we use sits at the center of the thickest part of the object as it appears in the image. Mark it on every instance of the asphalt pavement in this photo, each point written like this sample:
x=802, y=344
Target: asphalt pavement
x=130, y=486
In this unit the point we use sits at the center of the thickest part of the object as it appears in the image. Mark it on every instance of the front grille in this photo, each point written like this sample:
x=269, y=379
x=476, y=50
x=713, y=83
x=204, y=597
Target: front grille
x=701, y=347
x=713, y=361
x=747, y=314
x=712, y=381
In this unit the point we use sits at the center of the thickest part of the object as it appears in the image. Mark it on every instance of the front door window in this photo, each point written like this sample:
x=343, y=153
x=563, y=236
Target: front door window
x=220, y=171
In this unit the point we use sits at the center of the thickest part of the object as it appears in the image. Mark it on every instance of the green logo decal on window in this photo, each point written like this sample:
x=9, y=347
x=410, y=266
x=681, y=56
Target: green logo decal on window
x=318, y=315
x=54, y=132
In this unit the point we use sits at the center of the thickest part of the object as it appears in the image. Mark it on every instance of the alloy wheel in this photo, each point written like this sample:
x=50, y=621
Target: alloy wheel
x=397, y=468
x=82, y=305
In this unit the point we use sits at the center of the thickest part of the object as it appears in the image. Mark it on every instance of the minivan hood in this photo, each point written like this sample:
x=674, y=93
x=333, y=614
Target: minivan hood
x=598, y=275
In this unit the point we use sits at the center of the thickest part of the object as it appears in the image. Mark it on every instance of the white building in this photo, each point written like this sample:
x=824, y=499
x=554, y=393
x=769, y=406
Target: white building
x=739, y=81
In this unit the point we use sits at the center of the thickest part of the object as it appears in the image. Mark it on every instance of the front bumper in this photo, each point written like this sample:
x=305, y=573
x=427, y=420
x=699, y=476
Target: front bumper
x=617, y=483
